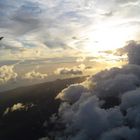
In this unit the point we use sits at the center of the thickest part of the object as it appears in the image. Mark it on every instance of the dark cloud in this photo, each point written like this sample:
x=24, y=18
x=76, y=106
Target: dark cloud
x=88, y=67
x=121, y=133
x=53, y=44
x=133, y=51
x=108, y=14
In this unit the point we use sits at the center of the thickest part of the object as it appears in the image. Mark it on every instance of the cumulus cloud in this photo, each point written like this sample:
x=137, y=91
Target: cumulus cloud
x=67, y=71
x=35, y=75
x=133, y=51
x=104, y=107
x=71, y=71
x=121, y=133
x=72, y=93
x=7, y=74
x=17, y=107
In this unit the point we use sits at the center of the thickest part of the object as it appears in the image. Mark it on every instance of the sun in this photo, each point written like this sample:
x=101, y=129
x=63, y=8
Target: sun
x=109, y=38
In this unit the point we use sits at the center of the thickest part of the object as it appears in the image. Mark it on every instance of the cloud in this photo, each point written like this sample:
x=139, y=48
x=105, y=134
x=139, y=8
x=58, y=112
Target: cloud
x=45, y=138
x=17, y=107
x=34, y=75
x=7, y=74
x=122, y=133
x=88, y=58
x=67, y=71
x=30, y=21
x=130, y=99
x=130, y=104
x=80, y=59
x=71, y=71
x=44, y=23
x=113, y=85
x=133, y=51
x=11, y=44
x=11, y=78
x=72, y=93
x=126, y=1
x=104, y=107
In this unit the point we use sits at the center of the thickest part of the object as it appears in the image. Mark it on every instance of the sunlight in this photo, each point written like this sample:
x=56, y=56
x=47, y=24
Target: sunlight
x=108, y=38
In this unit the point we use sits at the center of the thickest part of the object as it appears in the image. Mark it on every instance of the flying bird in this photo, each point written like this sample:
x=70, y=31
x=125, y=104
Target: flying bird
x=1, y=38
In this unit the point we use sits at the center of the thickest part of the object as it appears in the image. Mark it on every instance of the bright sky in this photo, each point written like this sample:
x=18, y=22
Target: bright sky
x=67, y=30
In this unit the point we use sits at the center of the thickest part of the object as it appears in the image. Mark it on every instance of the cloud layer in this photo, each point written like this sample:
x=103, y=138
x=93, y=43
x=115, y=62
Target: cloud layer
x=42, y=30
x=7, y=74
x=104, y=107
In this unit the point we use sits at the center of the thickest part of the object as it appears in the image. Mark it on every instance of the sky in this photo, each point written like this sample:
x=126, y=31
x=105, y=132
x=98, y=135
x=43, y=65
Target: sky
x=45, y=40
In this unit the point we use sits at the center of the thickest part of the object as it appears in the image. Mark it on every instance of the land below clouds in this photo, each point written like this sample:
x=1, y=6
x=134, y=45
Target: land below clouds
x=24, y=110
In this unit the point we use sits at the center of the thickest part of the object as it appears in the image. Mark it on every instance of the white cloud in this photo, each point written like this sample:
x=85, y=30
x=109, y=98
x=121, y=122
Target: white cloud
x=35, y=75
x=17, y=107
x=72, y=93
x=7, y=74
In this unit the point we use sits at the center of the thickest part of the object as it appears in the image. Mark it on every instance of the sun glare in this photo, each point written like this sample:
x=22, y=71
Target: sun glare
x=112, y=38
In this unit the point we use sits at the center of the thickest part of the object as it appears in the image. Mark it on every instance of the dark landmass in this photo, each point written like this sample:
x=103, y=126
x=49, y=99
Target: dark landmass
x=28, y=124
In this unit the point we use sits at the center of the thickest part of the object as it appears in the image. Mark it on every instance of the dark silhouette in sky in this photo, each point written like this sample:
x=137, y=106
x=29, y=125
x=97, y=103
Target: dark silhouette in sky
x=1, y=38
